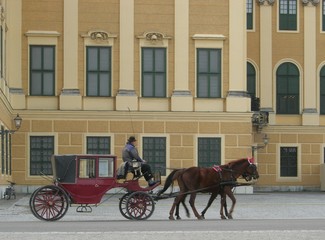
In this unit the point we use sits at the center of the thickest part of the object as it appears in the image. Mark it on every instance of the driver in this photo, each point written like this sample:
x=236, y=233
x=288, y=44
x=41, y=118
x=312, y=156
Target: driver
x=130, y=153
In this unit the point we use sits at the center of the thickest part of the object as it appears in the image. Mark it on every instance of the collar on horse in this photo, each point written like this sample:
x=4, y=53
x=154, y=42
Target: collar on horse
x=219, y=170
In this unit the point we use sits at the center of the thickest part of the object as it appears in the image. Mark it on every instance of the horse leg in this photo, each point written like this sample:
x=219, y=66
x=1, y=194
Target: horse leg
x=186, y=209
x=182, y=200
x=233, y=199
x=211, y=199
x=175, y=204
x=192, y=202
x=222, y=204
x=225, y=207
x=171, y=212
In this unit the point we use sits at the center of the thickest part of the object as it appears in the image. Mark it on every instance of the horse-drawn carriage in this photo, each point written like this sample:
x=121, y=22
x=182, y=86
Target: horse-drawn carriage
x=82, y=180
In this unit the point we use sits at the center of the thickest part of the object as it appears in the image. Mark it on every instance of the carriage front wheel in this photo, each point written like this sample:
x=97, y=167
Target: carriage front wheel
x=49, y=203
x=140, y=206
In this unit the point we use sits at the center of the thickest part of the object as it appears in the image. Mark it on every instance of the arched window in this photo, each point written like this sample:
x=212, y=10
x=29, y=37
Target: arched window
x=287, y=89
x=322, y=91
x=251, y=80
x=251, y=87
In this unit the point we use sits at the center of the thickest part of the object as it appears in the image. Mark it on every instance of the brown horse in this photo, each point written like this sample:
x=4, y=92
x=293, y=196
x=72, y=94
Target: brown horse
x=195, y=179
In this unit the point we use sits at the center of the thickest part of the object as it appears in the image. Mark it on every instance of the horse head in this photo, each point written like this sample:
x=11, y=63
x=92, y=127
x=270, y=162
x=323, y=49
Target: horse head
x=250, y=171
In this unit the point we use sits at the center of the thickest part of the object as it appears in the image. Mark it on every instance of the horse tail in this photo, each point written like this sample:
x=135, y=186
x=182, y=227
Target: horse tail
x=169, y=181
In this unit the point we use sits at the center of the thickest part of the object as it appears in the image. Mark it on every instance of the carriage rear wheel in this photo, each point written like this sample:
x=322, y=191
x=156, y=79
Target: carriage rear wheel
x=49, y=203
x=140, y=206
x=122, y=206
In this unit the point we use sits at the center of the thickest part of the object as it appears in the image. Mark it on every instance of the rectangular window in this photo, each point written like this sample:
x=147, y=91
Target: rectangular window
x=41, y=150
x=87, y=168
x=322, y=91
x=2, y=151
x=98, y=145
x=10, y=152
x=249, y=14
x=288, y=15
x=323, y=15
x=209, y=151
x=208, y=73
x=42, y=70
x=99, y=71
x=106, y=167
x=7, y=152
x=154, y=72
x=288, y=162
x=154, y=151
x=1, y=52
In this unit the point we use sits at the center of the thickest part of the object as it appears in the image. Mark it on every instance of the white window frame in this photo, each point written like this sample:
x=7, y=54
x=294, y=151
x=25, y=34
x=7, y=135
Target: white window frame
x=43, y=38
x=279, y=178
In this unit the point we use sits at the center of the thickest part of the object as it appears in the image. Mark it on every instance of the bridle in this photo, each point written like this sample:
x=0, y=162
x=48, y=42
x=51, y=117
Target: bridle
x=249, y=176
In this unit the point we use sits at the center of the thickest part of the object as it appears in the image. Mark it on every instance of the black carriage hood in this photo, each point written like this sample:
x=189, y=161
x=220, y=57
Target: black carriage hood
x=64, y=168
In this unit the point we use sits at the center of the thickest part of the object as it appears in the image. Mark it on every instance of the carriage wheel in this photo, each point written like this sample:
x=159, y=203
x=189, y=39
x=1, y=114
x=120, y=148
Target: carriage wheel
x=122, y=206
x=140, y=205
x=7, y=195
x=49, y=203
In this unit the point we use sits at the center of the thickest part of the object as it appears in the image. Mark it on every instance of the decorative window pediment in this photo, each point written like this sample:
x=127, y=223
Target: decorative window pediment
x=154, y=38
x=263, y=2
x=312, y=2
x=99, y=35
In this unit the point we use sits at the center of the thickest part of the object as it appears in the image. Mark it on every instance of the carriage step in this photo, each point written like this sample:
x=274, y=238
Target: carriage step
x=84, y=209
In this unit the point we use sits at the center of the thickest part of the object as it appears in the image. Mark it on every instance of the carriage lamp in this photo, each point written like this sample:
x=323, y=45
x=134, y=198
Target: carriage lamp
x=17, y=120
x=265, y=142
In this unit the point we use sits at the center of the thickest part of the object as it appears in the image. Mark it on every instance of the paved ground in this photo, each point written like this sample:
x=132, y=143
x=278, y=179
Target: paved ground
x=308, y=206
x=276, y=205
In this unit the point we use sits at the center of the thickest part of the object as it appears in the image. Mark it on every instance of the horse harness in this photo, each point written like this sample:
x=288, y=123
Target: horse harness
x=233, y=180
x=222, y=183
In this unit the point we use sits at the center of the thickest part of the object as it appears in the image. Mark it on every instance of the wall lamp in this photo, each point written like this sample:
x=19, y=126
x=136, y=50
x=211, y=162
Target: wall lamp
x=265, y=142
x=17, y=120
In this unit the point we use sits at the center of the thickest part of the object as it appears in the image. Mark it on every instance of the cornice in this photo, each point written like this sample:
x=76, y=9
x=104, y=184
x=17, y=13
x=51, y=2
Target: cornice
x=208, y=37
x=42, y=34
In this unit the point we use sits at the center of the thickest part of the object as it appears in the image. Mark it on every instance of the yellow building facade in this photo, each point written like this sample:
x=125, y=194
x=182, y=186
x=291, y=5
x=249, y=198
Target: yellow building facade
x=84, y=75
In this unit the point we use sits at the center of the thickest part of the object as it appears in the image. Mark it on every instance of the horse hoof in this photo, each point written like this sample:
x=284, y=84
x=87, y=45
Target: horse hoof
x=171, y=218
x=179, y=218
x=202, y=217
x=230, y=217
x=223, y=217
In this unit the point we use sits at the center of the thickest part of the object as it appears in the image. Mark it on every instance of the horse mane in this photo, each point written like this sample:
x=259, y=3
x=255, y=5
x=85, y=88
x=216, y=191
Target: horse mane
x=234, y=162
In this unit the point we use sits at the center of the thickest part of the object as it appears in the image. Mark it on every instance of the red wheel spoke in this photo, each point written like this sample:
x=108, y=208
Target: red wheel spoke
x=49, y=203
x=140, y=205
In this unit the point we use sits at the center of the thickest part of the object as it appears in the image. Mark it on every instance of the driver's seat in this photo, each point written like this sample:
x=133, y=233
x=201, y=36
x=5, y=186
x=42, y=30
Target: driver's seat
x=133, y=167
